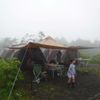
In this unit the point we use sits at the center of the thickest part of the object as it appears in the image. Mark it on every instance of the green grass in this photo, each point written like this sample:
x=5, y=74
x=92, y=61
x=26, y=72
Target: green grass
x=89, y=69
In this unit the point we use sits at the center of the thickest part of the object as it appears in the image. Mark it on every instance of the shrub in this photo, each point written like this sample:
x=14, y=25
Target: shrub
x=95, y=59
x=8, y=71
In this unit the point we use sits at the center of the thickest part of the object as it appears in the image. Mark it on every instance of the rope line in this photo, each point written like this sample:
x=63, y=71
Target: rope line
x=10, y=93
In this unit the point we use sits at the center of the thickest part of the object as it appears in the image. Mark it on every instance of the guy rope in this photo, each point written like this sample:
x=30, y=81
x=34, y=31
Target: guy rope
x=10, y=93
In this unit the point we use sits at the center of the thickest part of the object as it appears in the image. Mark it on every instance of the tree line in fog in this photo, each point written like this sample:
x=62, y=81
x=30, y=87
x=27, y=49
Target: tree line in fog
x=5, y=42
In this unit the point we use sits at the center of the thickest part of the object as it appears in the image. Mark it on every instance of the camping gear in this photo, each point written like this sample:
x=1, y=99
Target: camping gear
x=38, y=73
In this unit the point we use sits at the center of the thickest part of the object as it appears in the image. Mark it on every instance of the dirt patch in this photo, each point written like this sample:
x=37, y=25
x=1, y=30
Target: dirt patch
x=87, y=88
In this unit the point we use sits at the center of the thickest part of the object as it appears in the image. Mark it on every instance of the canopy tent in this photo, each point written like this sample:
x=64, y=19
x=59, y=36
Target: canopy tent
x=37, y=51
x=48, y=43
x=52, y=42
x=40, y=45
x=48, y=49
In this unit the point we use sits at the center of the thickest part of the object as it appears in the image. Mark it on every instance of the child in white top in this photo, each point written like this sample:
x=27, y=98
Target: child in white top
x=71, y=73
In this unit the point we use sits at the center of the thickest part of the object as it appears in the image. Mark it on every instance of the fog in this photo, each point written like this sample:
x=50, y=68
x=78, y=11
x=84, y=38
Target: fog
x=71, y=19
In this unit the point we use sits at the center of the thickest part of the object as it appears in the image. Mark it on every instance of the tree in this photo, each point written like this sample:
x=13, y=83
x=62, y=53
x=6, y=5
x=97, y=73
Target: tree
x=41, y=35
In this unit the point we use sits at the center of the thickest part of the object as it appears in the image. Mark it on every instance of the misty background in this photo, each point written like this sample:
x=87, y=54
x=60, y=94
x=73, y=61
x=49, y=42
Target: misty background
x=8, y=42
x=71, y=19
x=71, y=22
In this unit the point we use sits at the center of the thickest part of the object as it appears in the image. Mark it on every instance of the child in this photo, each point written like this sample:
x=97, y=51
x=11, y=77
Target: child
x=71, y=73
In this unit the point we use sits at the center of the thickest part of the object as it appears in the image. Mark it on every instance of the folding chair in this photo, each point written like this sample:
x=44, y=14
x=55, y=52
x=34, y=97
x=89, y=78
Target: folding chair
x=37, y=72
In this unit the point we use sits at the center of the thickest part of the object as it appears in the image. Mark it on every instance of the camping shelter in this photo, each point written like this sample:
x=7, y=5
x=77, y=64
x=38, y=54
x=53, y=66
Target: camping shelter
x=37, y=52
x=44, y=51
x=59, y=55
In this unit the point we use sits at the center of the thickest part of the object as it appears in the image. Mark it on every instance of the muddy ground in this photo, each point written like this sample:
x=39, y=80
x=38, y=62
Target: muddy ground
x=87, y=88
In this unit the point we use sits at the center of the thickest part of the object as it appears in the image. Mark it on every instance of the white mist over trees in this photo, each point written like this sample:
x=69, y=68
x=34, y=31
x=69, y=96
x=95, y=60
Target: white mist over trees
x=79, y=42
x=5, y=42
x=41, y=35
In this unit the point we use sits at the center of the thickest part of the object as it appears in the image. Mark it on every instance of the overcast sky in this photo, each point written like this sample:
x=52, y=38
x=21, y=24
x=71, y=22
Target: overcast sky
x=71, y=19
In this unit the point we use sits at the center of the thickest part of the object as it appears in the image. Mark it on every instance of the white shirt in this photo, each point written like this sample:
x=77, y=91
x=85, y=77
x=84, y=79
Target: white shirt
x=71, y=69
